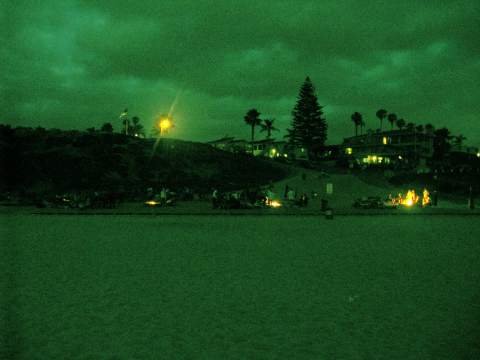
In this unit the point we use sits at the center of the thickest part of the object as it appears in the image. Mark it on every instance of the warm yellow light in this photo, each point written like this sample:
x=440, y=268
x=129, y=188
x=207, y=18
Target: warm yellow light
x=385, y=140
x=275, y=204
x=165, y=124
x=426, y=197
x=348, y=151
x=151, y=202
x=478, y=154
x=408, y=202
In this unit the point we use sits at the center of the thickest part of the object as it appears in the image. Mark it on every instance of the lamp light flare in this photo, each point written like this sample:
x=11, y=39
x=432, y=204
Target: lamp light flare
x=165, y=124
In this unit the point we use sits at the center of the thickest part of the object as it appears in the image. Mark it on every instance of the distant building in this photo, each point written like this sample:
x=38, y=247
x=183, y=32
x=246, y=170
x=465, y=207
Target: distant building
x=465, y=149
x=388, y=147
x=229, y=144
x=266, y=147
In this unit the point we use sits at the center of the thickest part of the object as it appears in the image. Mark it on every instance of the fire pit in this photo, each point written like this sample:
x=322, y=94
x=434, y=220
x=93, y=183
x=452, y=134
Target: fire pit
x=410, y=199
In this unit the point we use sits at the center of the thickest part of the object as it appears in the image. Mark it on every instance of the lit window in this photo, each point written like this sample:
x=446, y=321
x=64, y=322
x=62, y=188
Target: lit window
x=348, y=151
x=385, y=140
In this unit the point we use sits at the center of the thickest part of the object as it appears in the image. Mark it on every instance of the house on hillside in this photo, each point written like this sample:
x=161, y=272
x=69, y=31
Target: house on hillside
x=395, y=147
x=229, y=144
x=266, y=147
x=465, y=149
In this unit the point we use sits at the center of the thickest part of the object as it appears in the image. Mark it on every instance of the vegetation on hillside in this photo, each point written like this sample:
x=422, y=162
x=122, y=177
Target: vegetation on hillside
x=44, y=161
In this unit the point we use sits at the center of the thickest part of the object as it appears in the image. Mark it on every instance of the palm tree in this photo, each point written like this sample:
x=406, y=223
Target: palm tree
x=410, y=126
x=107, y=127
x=429, y=128
x=381, y=114
x=401, y=123
x=441, y=143
x=362, y=126
x=136, y=128
x=459, y=140
x=357, y=120
x=125, y=121
x=392, y=119
x=267, y=126
x=253, y=119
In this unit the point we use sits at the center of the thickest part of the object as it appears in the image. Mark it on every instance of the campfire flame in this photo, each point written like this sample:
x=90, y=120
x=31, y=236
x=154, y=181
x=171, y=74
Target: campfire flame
x=273, y=203
x=411, y=198
x=426, y=197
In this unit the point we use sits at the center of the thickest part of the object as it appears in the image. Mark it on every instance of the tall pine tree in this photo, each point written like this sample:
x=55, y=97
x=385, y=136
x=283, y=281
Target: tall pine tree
x=309, y=128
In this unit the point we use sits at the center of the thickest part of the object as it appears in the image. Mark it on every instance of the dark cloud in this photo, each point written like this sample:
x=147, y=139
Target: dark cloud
x=75, y=64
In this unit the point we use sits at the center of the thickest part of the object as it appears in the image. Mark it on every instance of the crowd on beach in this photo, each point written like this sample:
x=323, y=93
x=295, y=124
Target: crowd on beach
x=257, y=197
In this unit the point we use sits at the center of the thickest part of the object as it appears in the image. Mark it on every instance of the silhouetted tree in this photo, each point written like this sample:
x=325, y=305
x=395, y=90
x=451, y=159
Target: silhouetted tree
x=410, y=126
x=252, y=119
x=381, y=114
x=459, y=140
x=136, y=129
x=91, y=130
x=429, y=128
x=309, y=128
x=357, y=121
x=400, y=123
x=392, y=119
x=441, y=143
x=267, y=126
x=107, y=127
x=419, y=128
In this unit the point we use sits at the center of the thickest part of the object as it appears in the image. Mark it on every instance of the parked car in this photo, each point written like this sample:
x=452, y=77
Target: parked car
x=370, y=202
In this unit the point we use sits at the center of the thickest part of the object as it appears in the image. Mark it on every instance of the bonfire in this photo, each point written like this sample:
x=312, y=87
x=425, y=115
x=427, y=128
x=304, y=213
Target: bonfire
x=411, y=198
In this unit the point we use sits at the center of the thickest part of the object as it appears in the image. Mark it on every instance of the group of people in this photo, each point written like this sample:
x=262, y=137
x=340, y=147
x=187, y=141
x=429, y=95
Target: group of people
x=293, y=199
x=81, y=200
x=163, y=198
x=244, y=199
x=256, y=197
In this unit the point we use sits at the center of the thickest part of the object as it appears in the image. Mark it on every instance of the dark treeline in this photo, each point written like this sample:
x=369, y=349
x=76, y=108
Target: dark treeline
x=39, y=161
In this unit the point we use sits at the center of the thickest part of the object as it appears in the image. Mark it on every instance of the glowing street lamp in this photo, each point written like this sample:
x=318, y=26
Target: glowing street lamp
x=164, y=124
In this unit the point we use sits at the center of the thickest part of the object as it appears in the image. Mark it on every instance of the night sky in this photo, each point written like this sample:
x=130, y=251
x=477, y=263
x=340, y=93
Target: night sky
x=76, y=64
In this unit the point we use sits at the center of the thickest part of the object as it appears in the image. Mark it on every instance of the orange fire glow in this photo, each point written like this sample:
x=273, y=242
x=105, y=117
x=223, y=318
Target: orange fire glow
x=411, y=198
x=426, y=197
x=273, y=203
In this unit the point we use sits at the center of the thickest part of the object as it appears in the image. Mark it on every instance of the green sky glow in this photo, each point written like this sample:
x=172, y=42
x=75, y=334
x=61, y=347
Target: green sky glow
x=77, y=64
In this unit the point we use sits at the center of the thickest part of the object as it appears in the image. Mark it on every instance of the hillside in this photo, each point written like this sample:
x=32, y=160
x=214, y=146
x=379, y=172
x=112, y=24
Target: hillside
x=38, y=161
